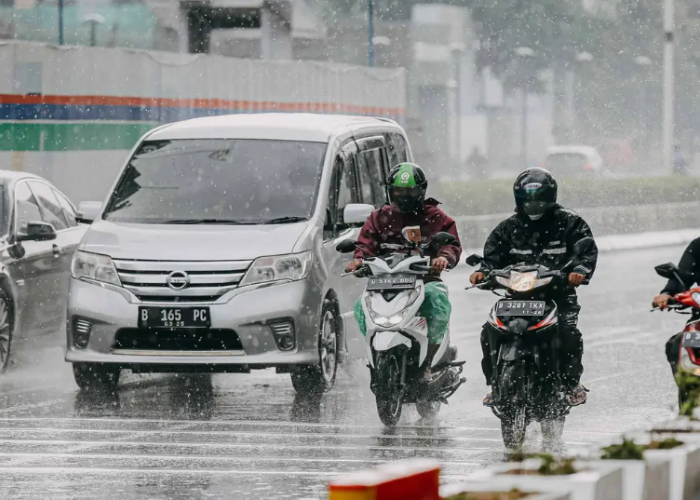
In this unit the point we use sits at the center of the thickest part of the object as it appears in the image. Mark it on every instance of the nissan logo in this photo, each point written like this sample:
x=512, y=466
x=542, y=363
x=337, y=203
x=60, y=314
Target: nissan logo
x=177, y=280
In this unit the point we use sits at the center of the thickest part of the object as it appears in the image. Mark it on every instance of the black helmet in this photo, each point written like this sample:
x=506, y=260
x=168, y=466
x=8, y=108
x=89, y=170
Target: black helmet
x=535, y=192
x=407, y=186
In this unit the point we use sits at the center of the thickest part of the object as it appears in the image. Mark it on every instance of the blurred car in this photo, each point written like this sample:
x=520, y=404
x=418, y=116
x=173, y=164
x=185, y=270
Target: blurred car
x=39, y=232
x=573, y=161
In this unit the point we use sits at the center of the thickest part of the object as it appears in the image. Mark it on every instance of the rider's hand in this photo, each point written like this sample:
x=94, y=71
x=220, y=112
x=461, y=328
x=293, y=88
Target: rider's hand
x=477, y=278
x=576, y=279
x=353, y=266
x=439, y=265
x=661, y=301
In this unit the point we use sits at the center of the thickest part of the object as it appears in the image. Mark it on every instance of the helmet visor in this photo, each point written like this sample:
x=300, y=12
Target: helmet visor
x=406, y=198
x=536, y=208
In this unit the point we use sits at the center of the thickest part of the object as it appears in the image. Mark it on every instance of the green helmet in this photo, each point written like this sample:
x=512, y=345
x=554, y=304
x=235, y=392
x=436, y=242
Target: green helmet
x=407, y=187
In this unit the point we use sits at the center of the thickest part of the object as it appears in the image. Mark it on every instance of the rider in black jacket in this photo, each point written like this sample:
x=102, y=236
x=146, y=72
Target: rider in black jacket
x=542, y=232
x=689, y=268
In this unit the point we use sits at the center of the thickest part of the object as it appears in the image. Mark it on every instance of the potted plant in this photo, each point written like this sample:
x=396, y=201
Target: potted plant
x=482, y=491
x=582, y=480
x=681, y=454
x=644, y=478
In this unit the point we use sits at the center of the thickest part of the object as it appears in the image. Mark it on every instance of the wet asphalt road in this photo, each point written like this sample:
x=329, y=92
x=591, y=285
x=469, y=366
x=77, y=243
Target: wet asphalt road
x=248, y=436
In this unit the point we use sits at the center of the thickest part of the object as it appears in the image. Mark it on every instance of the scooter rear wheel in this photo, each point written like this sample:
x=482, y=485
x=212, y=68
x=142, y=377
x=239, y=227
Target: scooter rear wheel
x=389, y=393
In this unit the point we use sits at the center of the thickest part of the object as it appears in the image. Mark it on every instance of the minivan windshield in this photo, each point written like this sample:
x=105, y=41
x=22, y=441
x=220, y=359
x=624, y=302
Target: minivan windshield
x=236, y=181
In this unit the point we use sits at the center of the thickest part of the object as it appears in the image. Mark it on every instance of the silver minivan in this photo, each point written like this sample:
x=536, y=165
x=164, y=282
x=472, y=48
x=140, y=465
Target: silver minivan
x=215, y=249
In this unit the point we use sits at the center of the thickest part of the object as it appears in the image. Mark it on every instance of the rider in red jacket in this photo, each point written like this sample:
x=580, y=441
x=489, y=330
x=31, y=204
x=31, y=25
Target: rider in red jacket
x=383, y=233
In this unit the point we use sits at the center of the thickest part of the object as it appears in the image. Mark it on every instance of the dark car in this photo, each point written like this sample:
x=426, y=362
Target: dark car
x=39, y=232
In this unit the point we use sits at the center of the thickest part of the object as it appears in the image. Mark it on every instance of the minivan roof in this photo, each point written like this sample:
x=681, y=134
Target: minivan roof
x=273, y=126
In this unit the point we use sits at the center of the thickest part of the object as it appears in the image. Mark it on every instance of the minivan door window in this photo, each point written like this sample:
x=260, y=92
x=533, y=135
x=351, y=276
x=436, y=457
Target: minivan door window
x=199, y=181
x=51, y=210
x=398, y=152
x=372, y=177
x=347, y=186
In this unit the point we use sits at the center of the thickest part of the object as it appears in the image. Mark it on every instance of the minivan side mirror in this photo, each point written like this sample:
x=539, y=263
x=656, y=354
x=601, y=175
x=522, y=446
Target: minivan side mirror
x=356, y=214
x=88, y=211
x=37, y=231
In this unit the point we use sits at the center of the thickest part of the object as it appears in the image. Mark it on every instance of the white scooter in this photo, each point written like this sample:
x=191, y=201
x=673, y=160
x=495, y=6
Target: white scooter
x=397, y=338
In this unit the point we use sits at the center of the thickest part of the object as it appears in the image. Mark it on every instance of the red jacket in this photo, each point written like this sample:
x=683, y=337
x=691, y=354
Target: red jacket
x=384, y=226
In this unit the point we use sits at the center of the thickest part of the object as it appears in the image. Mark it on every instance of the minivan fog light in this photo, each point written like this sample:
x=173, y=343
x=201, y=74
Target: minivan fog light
x=284, y=335
x=81, y=333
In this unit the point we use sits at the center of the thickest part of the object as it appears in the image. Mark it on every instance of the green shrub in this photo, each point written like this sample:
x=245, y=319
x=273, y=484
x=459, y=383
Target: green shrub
x=690, y=385
x=664, y=444
x=628, y=450
x=495, y=196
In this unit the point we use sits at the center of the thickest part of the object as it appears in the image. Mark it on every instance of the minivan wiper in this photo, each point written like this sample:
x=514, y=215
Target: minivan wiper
x=284, y=220
x=233, y=222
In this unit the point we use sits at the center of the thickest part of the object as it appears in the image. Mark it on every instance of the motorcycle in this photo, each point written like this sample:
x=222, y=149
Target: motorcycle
x=397, y=337
x=527, y=384
x=687, y=302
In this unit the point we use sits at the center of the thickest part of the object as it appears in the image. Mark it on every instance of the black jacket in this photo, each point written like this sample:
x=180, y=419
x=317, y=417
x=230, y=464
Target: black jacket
x=548, y=241
x=689, y=269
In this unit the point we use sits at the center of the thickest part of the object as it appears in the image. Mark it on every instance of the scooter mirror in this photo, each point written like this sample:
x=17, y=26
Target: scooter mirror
x=346, y=246
x=474, y=260
x=670, y=271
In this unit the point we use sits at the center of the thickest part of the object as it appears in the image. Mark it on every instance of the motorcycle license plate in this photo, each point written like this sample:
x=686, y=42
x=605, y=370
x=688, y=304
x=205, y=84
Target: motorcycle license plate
x=174, y=317
x=520, y=308
x=398, y=282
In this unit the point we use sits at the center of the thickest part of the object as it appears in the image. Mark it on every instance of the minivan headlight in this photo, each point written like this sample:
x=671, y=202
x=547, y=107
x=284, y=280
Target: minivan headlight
x=292, y=267
x=95, y=267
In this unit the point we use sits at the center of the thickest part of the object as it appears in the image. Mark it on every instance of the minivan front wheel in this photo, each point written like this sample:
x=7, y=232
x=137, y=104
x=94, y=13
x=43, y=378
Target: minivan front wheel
x=317, y=379
x=96, y=376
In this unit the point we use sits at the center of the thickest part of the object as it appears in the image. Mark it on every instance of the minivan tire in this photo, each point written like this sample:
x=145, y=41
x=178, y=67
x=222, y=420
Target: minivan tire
x=7, y=328
x=96, y=376
x=317, y=379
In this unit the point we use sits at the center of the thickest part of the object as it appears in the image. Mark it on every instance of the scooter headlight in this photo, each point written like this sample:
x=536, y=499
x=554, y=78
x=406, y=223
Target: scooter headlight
x=523, y=282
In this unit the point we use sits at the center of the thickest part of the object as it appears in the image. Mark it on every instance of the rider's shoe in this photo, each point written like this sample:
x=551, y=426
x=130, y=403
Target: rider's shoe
x=488, y=401
x=578, y=395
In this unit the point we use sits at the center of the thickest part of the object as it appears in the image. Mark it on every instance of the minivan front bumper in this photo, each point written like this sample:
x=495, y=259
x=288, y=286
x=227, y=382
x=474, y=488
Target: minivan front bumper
x=247, y=313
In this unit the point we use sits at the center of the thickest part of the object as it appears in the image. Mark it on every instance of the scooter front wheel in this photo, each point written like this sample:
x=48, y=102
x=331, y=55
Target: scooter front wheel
x=513, y=427
x=388, y=389
x=428, y=409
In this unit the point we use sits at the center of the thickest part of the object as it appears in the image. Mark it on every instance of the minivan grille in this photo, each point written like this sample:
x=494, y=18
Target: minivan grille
x=180, y=281
x=216, y=340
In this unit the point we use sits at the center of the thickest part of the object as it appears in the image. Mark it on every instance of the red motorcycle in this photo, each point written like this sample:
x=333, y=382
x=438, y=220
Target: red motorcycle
x=687, y=302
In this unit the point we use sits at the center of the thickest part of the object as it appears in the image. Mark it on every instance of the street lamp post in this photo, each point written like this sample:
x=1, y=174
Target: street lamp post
x=668, y=85
x=643, y=62
x=457, y=50
x=370, y=14
x=580, y=59
x=524, y=53
x=60, y=22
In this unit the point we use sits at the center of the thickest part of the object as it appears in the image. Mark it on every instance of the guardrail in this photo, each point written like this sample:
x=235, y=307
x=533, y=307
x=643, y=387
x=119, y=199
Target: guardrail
x=474, y=229
x=663, y=463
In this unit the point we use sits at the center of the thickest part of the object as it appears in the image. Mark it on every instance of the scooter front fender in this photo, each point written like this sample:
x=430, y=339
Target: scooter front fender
x=383, y=341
